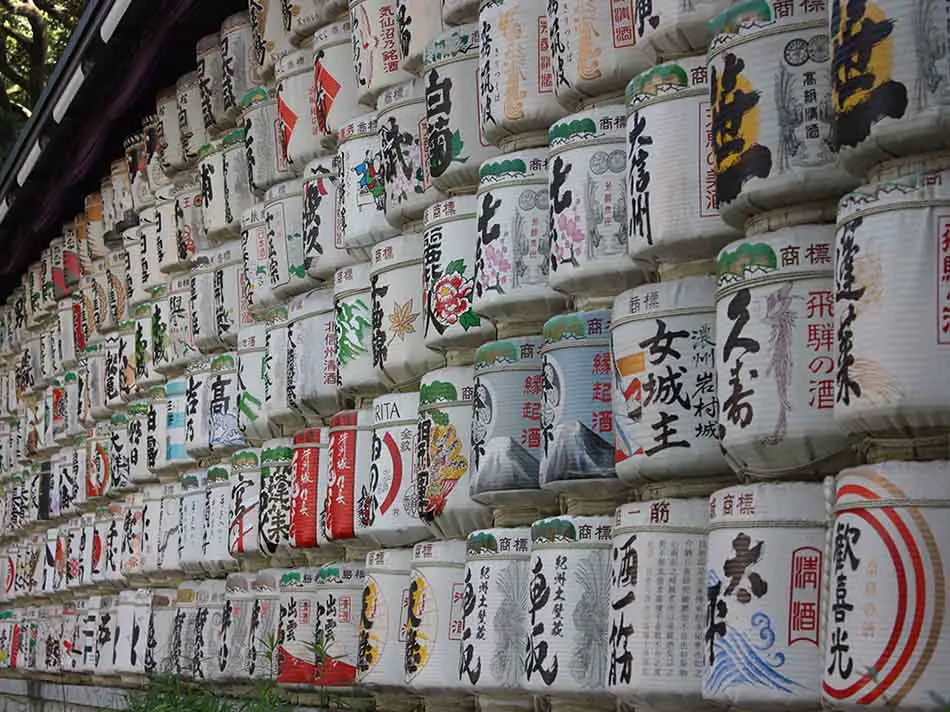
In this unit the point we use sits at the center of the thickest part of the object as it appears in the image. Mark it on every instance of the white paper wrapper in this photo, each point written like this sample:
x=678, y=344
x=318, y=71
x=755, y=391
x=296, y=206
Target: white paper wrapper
x=381, y=655
x=375, y=48
x=335, y=84
x=295, y=100
x=354, y=348
x=362, y=194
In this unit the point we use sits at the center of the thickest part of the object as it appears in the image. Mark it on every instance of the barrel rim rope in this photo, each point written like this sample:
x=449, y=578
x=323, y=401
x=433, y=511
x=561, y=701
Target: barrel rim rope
x=756, y=31
x=523, y=141
x=822, y=212
x=574, y=505
x=601, y=100
x=903, y=166
x=876, y=449
x=672, y=272
x=687, y=488
x=806, y=472
x=510, y=516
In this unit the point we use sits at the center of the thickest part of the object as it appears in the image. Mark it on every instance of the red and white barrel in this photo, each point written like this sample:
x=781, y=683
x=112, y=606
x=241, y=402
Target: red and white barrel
x=173, y=147
x=595, y=48
x=418, y=24
x=381, y=654
x=434, y=619
x=193, y=132
x=244, y=512
x=577, y=429
x=455, y=144
x=275, y=500
x=252, y=413
x=311, y=326
x=883, y=638
x=494, y=620
x=517, y=101
x=587, y=169
x=568, y=608
x=506, y=422
x=362, y=194
x=673, y=213
x=209, y=60
x=402, y=133
x=669, y=28
x=899, y=106
x=335, y=87
x=663, y=336
x=763, y=596
x=311, y=463
x=375, y=48
x=876, y=393
x=775, y=340
x=388, y=501
x=255, y=257
x=283, y=221
x=399, y=353
x=190, y=237
x=323, y=248
x=772, y=88
x=351, y=433
x=658, y=604
x=354, y=346
x=238, y=66
x=448, y=278
x=444, y=469
x=339, y=596
x=266, y=152
x=296, y=627
x=295, y=100
x=512, y=252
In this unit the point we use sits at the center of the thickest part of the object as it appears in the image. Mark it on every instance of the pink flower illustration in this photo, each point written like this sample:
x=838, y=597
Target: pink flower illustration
x=451, y=296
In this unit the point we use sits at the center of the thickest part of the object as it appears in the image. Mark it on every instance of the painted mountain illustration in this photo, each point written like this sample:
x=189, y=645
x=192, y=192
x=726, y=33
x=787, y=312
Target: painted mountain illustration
x=577, y=452
x=506, y=465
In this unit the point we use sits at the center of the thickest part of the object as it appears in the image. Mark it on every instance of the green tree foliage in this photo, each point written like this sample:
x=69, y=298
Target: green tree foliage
x=33, y=35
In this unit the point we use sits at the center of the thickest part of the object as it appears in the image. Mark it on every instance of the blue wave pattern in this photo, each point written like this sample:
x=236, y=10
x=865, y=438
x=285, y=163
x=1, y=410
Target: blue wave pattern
x=742, y=658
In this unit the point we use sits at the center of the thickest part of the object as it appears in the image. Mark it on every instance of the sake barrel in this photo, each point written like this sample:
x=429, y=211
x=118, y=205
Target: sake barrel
x=295, y=96
x=388, y=500
x=782, y=331
x=244, y=525
x=568, y=614
x=362, y=194
x=271, y=39
x=339, y=594
x=766, y=68
x=588, y=215
x=161, y=621
x=152, y=133
x=375, y=48
x=230, y=307
x=458, y=12
x=334, y=80
x=658, y=599
x=762, y=595
x=131, y=630
x=71, y=258
x=668, y=28
x=132, y=273
x=238, y=65
x=169, y=546
x=663, y=343
x=576, y=415
x=193, y=132
x=95, y=242
x=305, y=17
x=197, y=414
x=494, y=623
x=283, y=221
x=311, y=324
x=151, y=528
x=512, y=253
x=323, y=247
x=176, y=429
x=506, y=415
x=55, y=275
x=434, y=617
x=151, y=252
x=350, y=455
x=406, y=179
x=875, y=393
x=143, y=345
x=255, y=255
x=112, y=543
x=173, y=147
x=90, y=552
x=183, y=631
x=137, y=438
x=141, y=192
x=222, y=404
x=354, y=347
x=172, y=339
x=130, y=552
x=296, y=626
x=261, y=663
x=105, y=655
x=125, y=216
x=516, y=81
x=454, y=142
x=252, y=415
x=98, y=478
x=417, y=24
x=210, y=65
x=311, y=462
x=194, y=486
x=448, y=277
x=117, y=291
x=156, y=429
x=210, y=599
x=898, y=125
x=275, y=500
x=595, y=48
x=399, y=353
x=280, y=399
x=165, y=247
x=221, y=208
x=443, y=467
x=215, y=545
x=264, y=146
x=880, y=583
x=201, y=301
x=672, y=213
x=190, y=236
x=381, y=654
x=235, y=626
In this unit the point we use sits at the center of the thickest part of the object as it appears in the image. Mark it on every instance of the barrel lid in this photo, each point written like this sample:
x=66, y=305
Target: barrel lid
x=322, y=167
x=218, y=474
x=253, y=216
x=428, y=553
x=768, y=503
x=893, y=483
x=246, y=459
x=191, y=480
x=408, y=92
x=920, y=188
x=453, y=385
x=602, y=123
x=186, y=81
x=316, y=301
x=276, y=317
x=310, y=436
x=224, y=362
x=235, y=21
x=168, y=94
x=459, y=207
x=662, y=515
x=202, y=365
x=208, y=43
x=284, y=189
x=361, y=419
x=341, y=574
x=364, y=125
x=786, y=253
x=276, y=450
x=519, y=166
x=119, y=420
x=350, y=279
x=502, y=543
x=133, y=139
x=565, y=530
x=682, y=76
x=176, y=387
x=689, y=295
x=455, y=43
x=394, y=561
x=268, y=581
x=295, y=62
x=522, y=352
x=239, y=583
x=234, y=137
x=256, y=95
x=576, y=326
x=403, y=249
x=744, y=19
x=209, y=149
x=394, y=408
x=298, y=580
x=331, y=35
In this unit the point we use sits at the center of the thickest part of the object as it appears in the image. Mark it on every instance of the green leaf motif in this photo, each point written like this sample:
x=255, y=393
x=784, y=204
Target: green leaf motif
x=457, y=146
x=439, y=417
x=298, y=271
x=469, y=320
x=456, y=267
x=353, y=326
x=437, y=391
